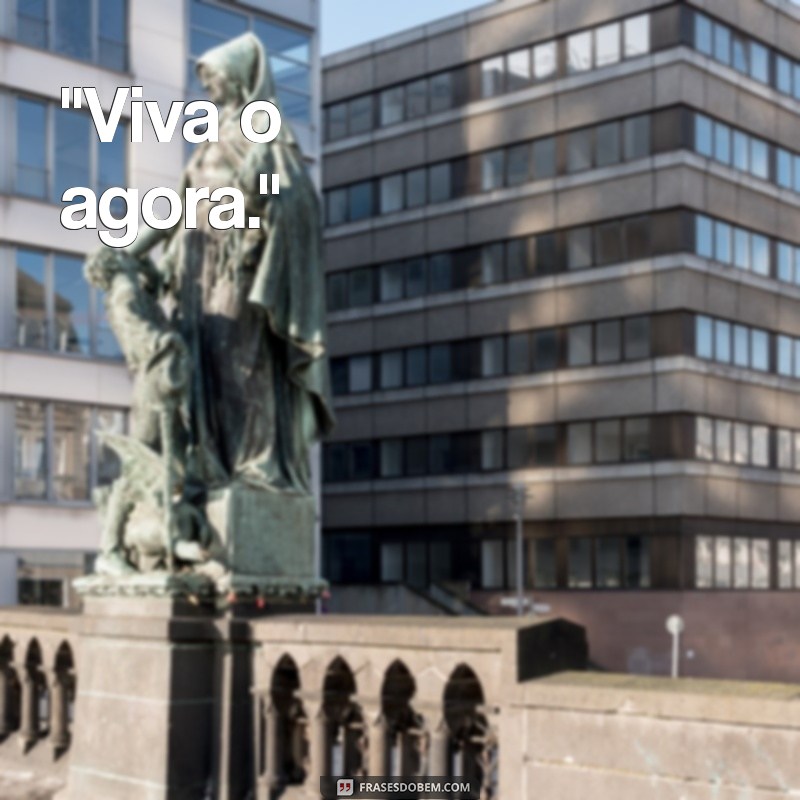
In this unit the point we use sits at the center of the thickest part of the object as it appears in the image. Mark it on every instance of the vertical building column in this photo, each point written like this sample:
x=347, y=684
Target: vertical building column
x=378, y=745
x=319, y=747
x=29, y=709
x=59, y=711
x=439, y=750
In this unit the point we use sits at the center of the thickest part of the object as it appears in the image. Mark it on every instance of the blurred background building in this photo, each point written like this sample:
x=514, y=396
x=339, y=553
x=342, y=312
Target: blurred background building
x=563, y=252
x=61, y=376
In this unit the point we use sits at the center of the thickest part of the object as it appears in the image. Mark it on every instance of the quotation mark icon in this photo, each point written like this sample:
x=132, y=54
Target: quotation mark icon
x=344, y=787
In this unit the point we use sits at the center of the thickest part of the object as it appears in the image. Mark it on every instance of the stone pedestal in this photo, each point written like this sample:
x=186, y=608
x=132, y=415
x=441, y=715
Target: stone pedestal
x=163, y=703
x=266, y=539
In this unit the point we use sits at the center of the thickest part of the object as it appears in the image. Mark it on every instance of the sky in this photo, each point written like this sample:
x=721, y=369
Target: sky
x=346, y=23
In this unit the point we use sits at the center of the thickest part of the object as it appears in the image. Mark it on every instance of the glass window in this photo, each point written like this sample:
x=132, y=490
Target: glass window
x=441, y=92
x=722, y=562
x=609, y=565
x=415, y=277
x=391, y=562
x=580, y=564
x=392, y=369
x=722, y=242
x=417, y=99
x=519, y=69
x=544, y=158
x=722, y=143
x=759, y=446
x=519, y=357
x=785, y=564
x=579, y=150
x=609, y=342
x=492, y=170
x=32, y=173
x=608, y=239
x=360, y=287
x=416, y=366
x=71, y=306
x=741, y=346
x=703, y=562
x=492, y=357
x=761, y=255
x=517, y=264
x=113, y=34
x=337, y=206
x=360, y=201
x=579, y=345
x=759, y=158
x=579, y=443
x=391, y=458
x=545, y=350
x=518, y=164
x=519, y=448
x=440, y=271
x=392, y=105
x=441, y=561
x=579, y=248
x=741, y=249
x=546, y=254
x=703, y=346
x=416, y=187
x=492, y=449
x=544, y=563
x=703, y=135
x=439, y=364
x=741, y=443
x=722, y=43
x=30, y=450
x=741, y=151
x=492, y=557
x=361, y=461
x=797, y=453
x=636, y=238
x=785, y=262
x=492, y=77
x=32, y=22
x=361, y=374
x=636, y=137
x=607, y=44
x=722, y=441
x=637, y=439
x=391, y=282
x=759, y=350
x=108, y=463
x=785, y=352
x=340, y=376
x=360, y=111
x=70, y=452
x=759, y=62
x=491, y=263
x=704, y=243
x=759, y=556
x=722, y=341
x=73, y=28
x=391, y=193
x=440, y=454
x=439, y=181
x=703, y=34
x=783, y=74
x=544, y=60
x=637, y=36
x=544, y=445
x=637, y=562
x=783, y=163
x=31, y=300
x=608, y=145
x=579, y=52
x=607, y=441
x=703, y=439
x=740, y=54
x=741, y=563
x=637, y=338
x=336, y=462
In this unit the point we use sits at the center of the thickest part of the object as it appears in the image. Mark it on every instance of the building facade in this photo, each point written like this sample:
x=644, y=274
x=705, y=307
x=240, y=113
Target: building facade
x=61, y=375
x=563, y=253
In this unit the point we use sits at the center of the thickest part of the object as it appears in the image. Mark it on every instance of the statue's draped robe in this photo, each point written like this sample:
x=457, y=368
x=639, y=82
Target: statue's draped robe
x=250, y=304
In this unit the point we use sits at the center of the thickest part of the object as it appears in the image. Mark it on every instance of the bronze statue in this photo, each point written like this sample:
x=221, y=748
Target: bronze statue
x=243, y=350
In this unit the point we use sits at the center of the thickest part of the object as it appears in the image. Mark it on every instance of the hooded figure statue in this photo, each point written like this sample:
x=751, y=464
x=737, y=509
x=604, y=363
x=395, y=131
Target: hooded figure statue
x=249, y=304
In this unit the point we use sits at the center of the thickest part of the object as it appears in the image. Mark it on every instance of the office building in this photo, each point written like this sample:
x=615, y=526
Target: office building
x=563, y=253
